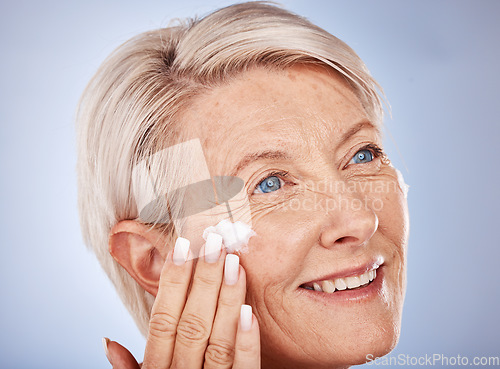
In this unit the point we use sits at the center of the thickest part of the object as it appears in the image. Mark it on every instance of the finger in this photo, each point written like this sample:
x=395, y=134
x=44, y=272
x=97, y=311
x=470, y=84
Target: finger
x=118, y=356
x=247, y=348
x=220, y=351
x=167, y=308
x=196, y=322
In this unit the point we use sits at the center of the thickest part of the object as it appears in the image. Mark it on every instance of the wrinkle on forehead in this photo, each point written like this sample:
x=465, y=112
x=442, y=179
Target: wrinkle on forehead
x=302, y=111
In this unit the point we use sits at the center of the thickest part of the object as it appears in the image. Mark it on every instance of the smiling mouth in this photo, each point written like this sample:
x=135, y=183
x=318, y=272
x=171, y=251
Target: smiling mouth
x=341, y=284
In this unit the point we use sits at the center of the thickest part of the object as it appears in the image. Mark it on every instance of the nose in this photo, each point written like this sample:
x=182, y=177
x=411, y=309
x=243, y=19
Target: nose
x=349, y=225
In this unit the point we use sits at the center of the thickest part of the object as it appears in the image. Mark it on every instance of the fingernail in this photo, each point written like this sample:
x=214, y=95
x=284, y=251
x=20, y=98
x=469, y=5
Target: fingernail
x=181, y=251
x=213, y=247
x=246, y=317
x=231, y=269
x=105, y=341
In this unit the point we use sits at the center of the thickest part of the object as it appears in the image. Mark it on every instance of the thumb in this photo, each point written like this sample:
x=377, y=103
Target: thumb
x=118, y=356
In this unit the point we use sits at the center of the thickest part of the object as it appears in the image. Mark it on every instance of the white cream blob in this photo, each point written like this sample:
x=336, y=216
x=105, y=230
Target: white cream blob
x=401, y=183
x=235, y=235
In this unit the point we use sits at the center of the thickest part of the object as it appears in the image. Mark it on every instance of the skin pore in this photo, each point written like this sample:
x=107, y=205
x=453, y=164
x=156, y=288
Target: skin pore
x=330, y=203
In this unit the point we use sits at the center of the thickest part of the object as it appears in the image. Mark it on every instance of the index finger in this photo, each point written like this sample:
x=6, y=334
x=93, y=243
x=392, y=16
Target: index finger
x=168, y=307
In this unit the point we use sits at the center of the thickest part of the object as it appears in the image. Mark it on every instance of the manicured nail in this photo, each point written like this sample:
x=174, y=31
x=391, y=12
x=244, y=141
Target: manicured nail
x=213, y=247
x=231, y=269
x=181, y=251
x=105, y=341
x=246, y=317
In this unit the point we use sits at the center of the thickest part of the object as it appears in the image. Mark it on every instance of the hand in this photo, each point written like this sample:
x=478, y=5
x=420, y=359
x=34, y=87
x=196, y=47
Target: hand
x=205, y=328
x=118, y=356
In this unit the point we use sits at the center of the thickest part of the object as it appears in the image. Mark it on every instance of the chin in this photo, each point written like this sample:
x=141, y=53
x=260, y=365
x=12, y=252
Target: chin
x=333, y=352
x=359, y=346
x=338, y=340
x=356, y=341
x=372, y=344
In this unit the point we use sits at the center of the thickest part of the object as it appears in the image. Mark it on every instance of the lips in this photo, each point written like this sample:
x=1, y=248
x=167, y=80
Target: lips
x=346, y=280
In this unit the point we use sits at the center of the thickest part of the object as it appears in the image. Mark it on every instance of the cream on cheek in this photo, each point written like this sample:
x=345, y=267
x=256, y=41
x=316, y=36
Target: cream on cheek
x=234, y=235
x=402, y=184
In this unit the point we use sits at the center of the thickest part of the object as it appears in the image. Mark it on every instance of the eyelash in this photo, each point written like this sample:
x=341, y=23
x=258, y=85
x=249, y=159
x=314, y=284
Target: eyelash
x=374, y=149
x=281, y=174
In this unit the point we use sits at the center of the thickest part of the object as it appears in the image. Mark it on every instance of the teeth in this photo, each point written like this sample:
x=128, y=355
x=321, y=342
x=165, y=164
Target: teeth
x=329, y=286
x=317, y=287
x=340, y=284
x=352, y=282
x=364, y=279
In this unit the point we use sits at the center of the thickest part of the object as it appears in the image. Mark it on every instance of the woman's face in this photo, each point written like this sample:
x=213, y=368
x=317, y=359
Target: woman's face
x=325, y=205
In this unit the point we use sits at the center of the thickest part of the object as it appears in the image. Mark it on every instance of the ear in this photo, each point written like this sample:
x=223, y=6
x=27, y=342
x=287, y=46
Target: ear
x=139, y=249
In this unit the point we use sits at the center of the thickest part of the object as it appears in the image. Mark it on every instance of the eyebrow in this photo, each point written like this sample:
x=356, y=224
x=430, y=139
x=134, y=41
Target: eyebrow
x=355, y=129
x=282, y=155
x=262, y=155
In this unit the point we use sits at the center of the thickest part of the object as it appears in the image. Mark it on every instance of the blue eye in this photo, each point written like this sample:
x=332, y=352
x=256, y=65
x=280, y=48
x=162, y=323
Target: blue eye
x=362, y=156
x=269, y=184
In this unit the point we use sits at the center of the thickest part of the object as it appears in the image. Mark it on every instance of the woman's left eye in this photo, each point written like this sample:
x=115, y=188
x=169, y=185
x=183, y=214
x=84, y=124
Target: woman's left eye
x=362, y=156
x=269, y=184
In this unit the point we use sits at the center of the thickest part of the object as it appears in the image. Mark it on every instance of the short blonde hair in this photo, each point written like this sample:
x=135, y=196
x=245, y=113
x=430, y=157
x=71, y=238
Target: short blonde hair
x=130, y=108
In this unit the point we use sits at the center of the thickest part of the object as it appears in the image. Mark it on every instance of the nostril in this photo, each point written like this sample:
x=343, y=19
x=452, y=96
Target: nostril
x=346, y=240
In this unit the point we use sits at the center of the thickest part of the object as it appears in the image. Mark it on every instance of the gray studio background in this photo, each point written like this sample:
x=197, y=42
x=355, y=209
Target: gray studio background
x=438, y=63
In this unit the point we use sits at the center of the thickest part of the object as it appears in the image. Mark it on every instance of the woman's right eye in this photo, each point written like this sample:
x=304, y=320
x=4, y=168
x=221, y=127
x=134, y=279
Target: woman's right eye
x=269, y=184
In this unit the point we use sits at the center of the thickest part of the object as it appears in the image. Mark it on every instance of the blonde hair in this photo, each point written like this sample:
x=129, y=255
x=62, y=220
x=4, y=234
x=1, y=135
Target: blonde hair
x=130, y=108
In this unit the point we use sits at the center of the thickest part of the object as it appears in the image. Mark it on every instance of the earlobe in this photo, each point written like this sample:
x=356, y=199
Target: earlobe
x=140, y=250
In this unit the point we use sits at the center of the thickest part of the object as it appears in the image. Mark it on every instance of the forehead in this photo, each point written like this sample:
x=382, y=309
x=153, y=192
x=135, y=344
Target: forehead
x=299, y=109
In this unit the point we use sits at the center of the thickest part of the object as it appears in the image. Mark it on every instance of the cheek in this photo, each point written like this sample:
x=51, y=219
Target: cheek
x=389, y=203
x=385, y=194
x=276, y=254
x=392, y=211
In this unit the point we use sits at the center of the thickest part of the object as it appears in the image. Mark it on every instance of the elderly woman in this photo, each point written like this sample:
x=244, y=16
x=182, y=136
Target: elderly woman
x=281, y=121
